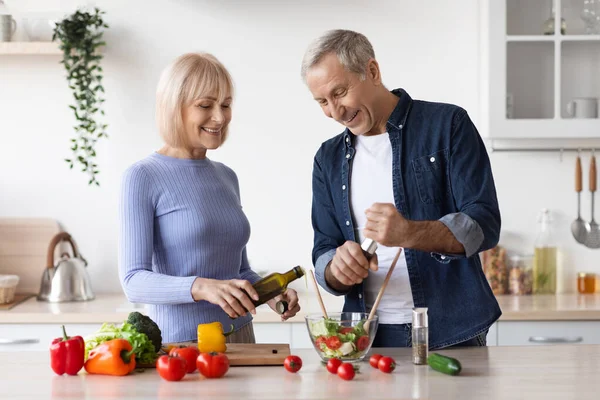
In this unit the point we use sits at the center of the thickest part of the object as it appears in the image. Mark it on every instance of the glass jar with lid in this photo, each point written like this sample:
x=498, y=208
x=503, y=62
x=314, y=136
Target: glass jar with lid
x=586, y=283
x=520, y=275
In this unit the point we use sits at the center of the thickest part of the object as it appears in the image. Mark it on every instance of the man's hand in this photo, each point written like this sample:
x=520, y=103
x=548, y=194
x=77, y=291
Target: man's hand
x=386, y=225
x=348, y=267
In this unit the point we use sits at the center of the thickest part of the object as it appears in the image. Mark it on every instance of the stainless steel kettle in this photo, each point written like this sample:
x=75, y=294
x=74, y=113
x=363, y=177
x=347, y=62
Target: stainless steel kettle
x=69, y=279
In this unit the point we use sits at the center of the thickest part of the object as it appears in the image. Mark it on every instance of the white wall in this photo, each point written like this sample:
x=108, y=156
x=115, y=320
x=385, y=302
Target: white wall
x=276, y=129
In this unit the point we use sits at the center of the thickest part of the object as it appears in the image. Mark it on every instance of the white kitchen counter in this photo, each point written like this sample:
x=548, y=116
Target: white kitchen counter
x=115, y=308
x=492, y=373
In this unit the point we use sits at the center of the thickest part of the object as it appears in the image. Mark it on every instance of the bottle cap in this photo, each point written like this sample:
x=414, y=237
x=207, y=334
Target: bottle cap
x=419, y=317
x=281, y=306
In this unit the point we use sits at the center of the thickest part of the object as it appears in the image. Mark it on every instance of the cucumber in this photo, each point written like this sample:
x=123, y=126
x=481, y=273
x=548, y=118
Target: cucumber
x=444, y=364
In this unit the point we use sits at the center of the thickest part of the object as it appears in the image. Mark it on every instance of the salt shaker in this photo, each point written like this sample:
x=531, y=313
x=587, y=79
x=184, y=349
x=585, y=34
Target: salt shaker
x=420, y=335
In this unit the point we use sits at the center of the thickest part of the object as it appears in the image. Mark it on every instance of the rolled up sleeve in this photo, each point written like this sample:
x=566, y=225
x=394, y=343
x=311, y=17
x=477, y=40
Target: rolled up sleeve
x=477, y=223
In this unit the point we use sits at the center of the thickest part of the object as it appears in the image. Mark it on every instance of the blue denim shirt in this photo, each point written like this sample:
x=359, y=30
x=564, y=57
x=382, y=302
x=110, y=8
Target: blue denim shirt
x=441, y=171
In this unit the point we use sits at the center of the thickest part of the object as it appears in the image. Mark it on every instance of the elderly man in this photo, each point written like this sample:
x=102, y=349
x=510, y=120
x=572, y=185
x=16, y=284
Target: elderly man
x=408, y=174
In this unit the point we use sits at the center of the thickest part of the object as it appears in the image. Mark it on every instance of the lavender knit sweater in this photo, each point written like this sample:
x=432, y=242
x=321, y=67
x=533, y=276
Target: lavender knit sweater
x=181, y=219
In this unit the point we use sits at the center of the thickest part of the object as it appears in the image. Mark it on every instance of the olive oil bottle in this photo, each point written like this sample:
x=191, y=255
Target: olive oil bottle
x=275, y=284
x=545, y=254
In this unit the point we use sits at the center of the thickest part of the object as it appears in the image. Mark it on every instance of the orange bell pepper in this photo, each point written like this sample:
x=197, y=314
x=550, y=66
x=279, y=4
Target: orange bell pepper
x=113, y=357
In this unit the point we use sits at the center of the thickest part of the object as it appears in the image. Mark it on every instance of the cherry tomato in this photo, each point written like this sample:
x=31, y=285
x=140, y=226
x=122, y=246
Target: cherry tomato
x=345, y=330
x=346, y=371
x=189, y=354
x=212, y=365
x=386, y=364
x=333, y=342
x=362, y=343
x=320, y=339
x=171, y=368
x=292, y=363
x=374, y=360
x=333, y=364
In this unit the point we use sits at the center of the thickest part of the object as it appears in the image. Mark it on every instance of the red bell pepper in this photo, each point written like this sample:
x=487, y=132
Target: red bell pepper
x=67, y=354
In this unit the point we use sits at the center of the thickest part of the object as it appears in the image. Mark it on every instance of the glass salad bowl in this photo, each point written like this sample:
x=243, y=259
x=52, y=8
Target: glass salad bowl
x=342, y=335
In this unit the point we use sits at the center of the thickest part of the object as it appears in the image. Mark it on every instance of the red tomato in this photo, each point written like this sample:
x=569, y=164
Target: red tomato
x=171, y=368
x=374, y=360
x=189, y=354
x=320, y=339
x=345, y=330
x=362, y=343
x=346, y=371
x=386, y=364
x=333, y=342
x=333, y=364
x=212, y=365
x=292, y=363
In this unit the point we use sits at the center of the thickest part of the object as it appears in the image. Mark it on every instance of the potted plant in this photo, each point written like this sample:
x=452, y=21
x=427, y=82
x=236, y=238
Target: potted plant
x=80, y=36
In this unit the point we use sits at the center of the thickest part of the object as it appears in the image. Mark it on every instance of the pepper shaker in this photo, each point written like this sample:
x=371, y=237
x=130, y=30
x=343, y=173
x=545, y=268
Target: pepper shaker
x=420, y=335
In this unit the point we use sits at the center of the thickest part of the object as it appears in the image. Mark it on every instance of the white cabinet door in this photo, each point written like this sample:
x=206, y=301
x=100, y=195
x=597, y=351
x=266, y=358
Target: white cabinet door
x=276, y=332
x=527, y=333
x=492, y=336
x=37, y=337
x=300, y=337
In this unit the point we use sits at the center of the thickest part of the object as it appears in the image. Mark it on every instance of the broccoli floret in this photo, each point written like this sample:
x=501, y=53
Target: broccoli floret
x=144, y=324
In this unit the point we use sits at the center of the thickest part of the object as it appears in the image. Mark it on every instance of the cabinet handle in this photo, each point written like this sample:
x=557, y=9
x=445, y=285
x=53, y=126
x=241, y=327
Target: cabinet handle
x=19, y=341
x=544, y=339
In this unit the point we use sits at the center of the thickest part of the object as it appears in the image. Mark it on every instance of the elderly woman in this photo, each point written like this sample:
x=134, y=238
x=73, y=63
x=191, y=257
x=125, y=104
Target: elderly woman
x=183, y=231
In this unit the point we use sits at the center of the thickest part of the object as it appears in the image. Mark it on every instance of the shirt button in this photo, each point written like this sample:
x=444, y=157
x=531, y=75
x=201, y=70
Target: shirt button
x=347, y=155
x=432, y=159
x=443, y=257
x=347, y=223
x=399, y=126
x=343, y=187
x=347, y=139
x=360, y=296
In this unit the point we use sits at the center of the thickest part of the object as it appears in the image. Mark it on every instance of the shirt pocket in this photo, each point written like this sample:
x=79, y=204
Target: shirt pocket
x=431, y=174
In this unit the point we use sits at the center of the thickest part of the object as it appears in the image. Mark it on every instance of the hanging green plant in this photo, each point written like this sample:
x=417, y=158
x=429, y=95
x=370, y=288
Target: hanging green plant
x=80, y=36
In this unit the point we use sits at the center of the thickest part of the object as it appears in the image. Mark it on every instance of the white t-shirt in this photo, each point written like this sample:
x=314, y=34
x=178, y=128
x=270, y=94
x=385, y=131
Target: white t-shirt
x=371, y=182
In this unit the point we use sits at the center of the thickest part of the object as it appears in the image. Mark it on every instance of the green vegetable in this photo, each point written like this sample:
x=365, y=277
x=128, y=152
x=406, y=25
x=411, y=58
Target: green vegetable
x=359, y=329
x=444, y=364
x=144, y=324
x=142, y=346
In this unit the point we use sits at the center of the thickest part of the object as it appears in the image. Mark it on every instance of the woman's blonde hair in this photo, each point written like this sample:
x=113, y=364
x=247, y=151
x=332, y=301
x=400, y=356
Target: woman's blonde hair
x=189, y=77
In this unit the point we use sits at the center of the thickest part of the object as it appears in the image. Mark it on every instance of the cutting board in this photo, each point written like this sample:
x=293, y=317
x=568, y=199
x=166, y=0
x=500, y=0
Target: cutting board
x=257, y=354
x=23, y=249
x=243, y=354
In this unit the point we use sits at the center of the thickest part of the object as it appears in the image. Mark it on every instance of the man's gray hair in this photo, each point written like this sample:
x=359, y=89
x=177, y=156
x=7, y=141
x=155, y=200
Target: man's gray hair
x=352, y=49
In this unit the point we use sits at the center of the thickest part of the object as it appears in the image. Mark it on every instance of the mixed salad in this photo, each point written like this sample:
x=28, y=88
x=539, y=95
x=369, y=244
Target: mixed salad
x=337, y=341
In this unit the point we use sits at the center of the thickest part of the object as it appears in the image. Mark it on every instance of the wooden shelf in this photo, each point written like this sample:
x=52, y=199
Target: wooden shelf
x=530, y=38
x=551, y=38
x=29, y=48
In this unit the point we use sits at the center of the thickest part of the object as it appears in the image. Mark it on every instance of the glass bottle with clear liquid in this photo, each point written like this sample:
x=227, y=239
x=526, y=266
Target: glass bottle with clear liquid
x=545, y=257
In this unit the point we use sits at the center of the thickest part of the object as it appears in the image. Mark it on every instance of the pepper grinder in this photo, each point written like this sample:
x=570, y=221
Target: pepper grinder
x=369, y=246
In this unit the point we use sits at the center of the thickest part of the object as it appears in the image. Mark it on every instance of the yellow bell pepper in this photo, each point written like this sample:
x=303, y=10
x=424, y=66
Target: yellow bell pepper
x=211, y=337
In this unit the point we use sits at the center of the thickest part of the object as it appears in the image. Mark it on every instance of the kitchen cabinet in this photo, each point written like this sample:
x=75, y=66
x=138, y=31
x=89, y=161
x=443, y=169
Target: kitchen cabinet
x=528, y=77
x=37, y=337
x=527, y=333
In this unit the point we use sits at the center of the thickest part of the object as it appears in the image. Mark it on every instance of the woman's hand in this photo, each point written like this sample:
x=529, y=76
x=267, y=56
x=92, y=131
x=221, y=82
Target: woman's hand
x=227, y=294
x=291, y=297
